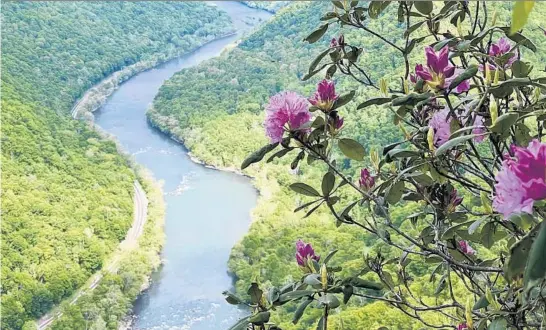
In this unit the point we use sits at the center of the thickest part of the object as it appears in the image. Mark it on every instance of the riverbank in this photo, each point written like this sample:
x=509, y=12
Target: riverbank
x=95, y=97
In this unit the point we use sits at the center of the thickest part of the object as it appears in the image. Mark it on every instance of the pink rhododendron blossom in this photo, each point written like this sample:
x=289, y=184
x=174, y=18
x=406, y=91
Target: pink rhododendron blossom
x=325, y=95
x=338, y=122
x=462, y=326
x=466, y=248
x=439, y=73
x=337, y=42
x=285, y=111
x=305, y=253
x=521, y=181
x=531, y=168
x=440, y=123
x=503, y=47
x=366, y=181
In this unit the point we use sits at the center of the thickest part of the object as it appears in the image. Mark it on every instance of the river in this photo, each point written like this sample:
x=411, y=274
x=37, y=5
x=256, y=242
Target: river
x=207, y=212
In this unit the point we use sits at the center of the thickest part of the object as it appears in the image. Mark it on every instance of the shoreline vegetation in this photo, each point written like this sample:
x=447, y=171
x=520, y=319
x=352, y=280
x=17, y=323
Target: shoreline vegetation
x=92, y=100
x=67, y=190
x=95, y=97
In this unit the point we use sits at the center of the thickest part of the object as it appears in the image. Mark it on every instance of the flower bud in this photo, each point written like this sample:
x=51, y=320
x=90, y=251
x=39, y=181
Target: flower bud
x=487, y=74
x=430, y=138
x=366, y=181
x=324, y=277
x=374, y=158
x=493, y=110
x=496, y=79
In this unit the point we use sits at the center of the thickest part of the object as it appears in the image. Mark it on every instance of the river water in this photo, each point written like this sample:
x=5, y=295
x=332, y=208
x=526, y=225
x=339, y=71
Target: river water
x=207, y=211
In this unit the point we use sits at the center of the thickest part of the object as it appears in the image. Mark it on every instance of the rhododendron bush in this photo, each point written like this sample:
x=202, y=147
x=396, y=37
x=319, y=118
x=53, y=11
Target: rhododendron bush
x=472, y=113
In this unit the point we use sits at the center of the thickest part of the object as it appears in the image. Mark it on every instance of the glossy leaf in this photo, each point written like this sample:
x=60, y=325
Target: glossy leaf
x=450, y=144
x=258, y=155
x=304, y=189
x=535, y=270
x=328, y=182
x=465, y=75
x=351, y=149
x=301, y=308
x=317, y=34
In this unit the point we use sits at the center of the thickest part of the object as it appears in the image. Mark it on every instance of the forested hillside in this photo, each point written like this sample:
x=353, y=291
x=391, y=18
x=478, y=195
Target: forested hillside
x=66, y=192
x=220, y=121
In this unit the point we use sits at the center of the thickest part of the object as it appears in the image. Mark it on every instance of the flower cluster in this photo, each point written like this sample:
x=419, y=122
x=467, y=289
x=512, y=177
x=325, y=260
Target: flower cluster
x=440, y=122
x=337, y=42
x=289, y=112
x=499, y=49
x=286, y=111
x=438, y=72
x=466, y=248
x=325, y=96
x=521, y=180
x=366, y=181
x=304, y=255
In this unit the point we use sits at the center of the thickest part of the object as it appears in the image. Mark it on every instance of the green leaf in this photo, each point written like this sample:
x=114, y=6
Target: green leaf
x=317, y=34
x=487, y=235
x=232, y=299
x=258, y=155
x=535, y=270
x=504, y=122
x=375, y=101
x=320, y=324
x=343, y=99
x=328, y=182
x=521, y=69
x=498, y=324
x=317, y=60
x=338, y=4
x=440, y=44
x=295, y=295
x=441, y=286
x=481, y=303
x=301, y=308
x=329, y=300
x=347, y=293
x=450, y=144
x=395, y=192
x=518, y=256
x=260, y=318
x=255, y=293
x=520, y=14
x=467, y=74
x=411, y=99
x=424, y=7
x=361, y=283
x=273, y=294
x=450, y=232
x=279, y=154
x=412, y=28
x=351, y=149
x=242, y=324
x=329, y=256
x=304, y=189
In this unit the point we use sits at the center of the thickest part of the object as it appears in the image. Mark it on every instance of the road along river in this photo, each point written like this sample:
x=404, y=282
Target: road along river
x=207, y=210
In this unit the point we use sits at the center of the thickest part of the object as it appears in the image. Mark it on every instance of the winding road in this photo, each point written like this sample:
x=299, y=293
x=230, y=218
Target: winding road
x=130, y=242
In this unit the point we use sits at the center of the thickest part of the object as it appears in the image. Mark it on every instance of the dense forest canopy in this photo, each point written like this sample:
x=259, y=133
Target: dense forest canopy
x=220, y=120
x=66, y=191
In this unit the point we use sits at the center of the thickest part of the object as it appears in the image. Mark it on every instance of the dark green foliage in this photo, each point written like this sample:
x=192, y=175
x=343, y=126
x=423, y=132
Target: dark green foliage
x=66, y=192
